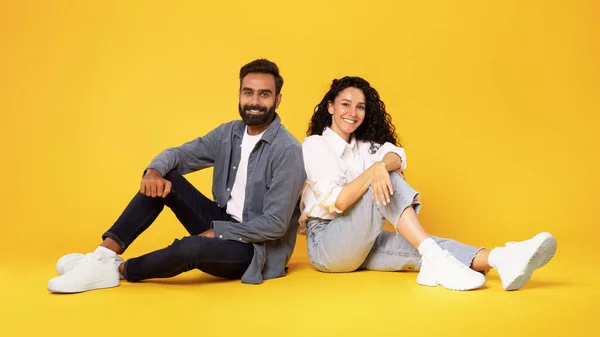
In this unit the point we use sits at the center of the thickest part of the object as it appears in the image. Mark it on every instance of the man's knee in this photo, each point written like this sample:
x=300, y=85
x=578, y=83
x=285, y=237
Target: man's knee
x=173, y=175
x=186, y=249
x=176, y=179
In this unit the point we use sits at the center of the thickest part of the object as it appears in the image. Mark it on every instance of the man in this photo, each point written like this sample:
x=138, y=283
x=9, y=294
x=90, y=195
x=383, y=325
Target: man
x=248, y=232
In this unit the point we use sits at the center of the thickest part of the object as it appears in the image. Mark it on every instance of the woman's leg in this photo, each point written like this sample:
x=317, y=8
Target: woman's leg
x=342, y=244
x=515, y=263
x=388, y=247
x=438, y=265
x=481, y=260
x=393, y=252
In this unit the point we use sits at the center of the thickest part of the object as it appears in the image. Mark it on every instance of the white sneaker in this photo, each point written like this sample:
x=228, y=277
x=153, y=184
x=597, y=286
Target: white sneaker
x=94, y=271
x=516, y=262
x=449, y=272
x=70, y=261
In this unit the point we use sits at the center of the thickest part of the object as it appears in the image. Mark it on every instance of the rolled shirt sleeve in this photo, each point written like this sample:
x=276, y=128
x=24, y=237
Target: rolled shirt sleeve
x=387, y=148
x=324, y=173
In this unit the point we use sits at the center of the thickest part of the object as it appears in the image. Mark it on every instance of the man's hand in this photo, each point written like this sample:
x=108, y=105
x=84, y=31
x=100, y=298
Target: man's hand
x=381, y=183
x=153, y=185
x=209, y=233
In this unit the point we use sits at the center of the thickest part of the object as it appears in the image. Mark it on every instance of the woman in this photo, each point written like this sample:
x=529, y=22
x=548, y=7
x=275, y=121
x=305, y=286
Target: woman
x=354, y=183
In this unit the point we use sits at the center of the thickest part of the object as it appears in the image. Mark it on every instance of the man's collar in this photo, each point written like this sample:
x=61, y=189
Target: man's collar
x=268, y=135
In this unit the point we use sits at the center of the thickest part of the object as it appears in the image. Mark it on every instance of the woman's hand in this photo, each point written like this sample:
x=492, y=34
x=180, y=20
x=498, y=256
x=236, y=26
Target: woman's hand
x=381, y=183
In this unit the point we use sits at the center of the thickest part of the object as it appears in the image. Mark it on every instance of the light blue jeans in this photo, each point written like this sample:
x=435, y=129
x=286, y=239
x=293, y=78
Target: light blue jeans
x=356, y=239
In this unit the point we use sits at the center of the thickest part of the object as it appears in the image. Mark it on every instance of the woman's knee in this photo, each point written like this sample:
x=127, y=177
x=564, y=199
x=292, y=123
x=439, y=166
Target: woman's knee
x=401, y=187
x=397, y=179
x=404, y=193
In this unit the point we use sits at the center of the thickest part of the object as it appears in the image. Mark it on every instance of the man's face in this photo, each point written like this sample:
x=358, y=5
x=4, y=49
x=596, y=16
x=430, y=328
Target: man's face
x=258, y=101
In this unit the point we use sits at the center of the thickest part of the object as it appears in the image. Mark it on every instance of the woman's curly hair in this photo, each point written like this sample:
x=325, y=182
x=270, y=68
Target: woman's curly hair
x=377, y=126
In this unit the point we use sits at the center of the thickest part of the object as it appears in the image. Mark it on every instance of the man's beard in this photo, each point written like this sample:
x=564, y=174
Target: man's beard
x=256, y=119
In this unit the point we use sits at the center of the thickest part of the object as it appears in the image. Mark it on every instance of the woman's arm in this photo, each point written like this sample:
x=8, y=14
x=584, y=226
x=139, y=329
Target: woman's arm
x=392, y=161
x=378, y=176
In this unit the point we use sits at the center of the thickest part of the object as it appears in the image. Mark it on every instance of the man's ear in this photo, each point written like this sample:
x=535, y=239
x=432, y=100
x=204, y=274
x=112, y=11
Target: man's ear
x=278, y=100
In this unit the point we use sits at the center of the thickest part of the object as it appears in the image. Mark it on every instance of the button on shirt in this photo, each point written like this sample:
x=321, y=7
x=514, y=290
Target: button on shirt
x=330, y=163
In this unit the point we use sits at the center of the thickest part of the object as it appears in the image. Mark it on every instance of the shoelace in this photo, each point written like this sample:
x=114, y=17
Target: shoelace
x=88, y=257
x=82, y=262
x=454, y=260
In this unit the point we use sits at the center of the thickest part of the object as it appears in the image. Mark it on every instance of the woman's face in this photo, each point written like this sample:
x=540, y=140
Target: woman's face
x=347, y=112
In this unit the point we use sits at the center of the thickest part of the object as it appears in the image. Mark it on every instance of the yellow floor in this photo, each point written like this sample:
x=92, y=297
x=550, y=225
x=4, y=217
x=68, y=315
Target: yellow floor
x=560, y=300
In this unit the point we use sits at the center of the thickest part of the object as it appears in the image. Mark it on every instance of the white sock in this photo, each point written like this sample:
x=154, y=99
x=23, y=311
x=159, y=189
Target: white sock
x=119, y=263
x=493, y=258
x=430, y=249
x=103, y=251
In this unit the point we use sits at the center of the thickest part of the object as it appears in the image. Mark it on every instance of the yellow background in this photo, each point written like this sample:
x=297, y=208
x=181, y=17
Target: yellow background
x=496, y=104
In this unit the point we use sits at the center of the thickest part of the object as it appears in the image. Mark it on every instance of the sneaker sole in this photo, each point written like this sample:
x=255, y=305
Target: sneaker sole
x=100, y=284
x=540, y=257
x=428, y=282
x=435, y=284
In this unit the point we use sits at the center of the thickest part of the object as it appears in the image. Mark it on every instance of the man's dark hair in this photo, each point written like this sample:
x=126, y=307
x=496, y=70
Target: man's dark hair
x=263, y=66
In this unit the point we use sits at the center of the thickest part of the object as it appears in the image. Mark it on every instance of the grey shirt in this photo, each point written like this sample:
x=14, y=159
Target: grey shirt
x=274, y=181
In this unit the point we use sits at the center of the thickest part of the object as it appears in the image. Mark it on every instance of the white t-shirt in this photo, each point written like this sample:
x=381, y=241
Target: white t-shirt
x=235, y=205
x=331, y=163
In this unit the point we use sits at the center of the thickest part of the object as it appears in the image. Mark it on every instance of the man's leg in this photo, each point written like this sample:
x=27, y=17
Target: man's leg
x=221, y=258
x=192, y=209
x=98, y=269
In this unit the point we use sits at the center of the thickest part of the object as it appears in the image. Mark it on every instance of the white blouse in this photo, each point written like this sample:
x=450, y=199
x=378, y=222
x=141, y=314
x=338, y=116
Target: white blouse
x=330, y=163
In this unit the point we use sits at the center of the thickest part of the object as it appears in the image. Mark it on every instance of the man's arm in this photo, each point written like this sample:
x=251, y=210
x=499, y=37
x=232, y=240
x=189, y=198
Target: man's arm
x=189, y=157
x=279, y=203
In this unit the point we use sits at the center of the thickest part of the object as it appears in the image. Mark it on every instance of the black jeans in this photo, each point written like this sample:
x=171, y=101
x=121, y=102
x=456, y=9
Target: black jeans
x=222, y=258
